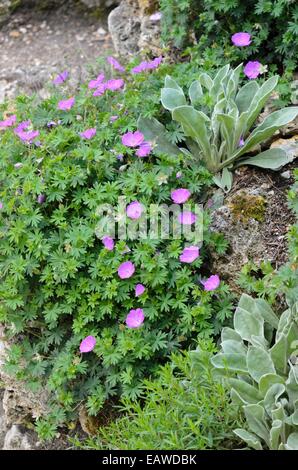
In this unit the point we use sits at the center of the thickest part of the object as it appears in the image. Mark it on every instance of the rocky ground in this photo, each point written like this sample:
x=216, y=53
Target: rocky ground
x=35, y=44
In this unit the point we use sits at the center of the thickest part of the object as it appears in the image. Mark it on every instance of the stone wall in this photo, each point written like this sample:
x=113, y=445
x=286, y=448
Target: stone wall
x=131, y=28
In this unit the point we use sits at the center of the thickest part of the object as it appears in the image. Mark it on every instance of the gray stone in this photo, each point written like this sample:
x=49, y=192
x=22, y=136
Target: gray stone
x=6, y=7
x=16, y=439
x=100, y=3
x=125, y=28
x=131, y=28
x=19, y=403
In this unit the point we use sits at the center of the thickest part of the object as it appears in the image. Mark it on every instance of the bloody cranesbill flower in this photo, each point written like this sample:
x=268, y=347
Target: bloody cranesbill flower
x=153, y=64
x=189, y=254
x=241, y=39
x=135, y=318
x=211, y=283
x=181, y=195
x=140, y=68
x=100, y=89
x=10, y=121
x=22, y=126
x=126, y=270
x=132, y=139
x=139, y=289
x=41, y=198
x=27, y=136
x=115, y=64
x=114, y=84
x=61, y=78
x=187, y=218
x=88, y=133
x=108, y=243
x=134, y=210
x=114, y=118
x=66, y=105
x=95, y=83
x=252, y=69
x=144, y=149
x=88, y=344
x=1, y=205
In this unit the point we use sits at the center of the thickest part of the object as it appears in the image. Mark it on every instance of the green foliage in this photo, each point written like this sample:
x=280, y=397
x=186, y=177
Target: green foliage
x=58, y=284
x=219, y=116
x=182, y=409
x=209, y=24
x=259, y=362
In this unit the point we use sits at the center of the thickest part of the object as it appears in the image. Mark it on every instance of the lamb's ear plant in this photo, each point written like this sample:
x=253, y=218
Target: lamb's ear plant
x=259, y=362
x=218, y=119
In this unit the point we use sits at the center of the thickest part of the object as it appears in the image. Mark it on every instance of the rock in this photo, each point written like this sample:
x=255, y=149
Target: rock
x=89, y=424
x=20, y=405
x=15, y=439
x=125, y=28
x=100, y=3
x=132, y=29
x=254, y=220
x=241, y=230
x=290, y=129
x=290, y=146
x=6, y=7
x=149, y=36
x=3, y=428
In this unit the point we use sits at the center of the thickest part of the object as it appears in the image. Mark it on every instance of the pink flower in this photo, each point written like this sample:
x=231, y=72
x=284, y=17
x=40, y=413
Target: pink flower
x=187, y=218
x=241, y=142
x=140, y=68
x=181, y=195
x=27, y=136
x=252, y=69
x=18, y=165
x=144, y=149
x=114, y=118
x=88, y=344
x=100, y=89
x=134, y=210
x=22, y=126
x=115, y=64
x=108, y=243
x=153, y=64
x=189, y=254
x=1, y=205
x=139, y=290
x=88, y=133
x=114, y=84
x=97, y=82
x=126, y=270
x=179, y=174
x=241, y=39
x=135, y=318
x=61, y=78
x=66, y=105
x=211, y=283
x=132, y=139
x=10, y=121
x=156, y=16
